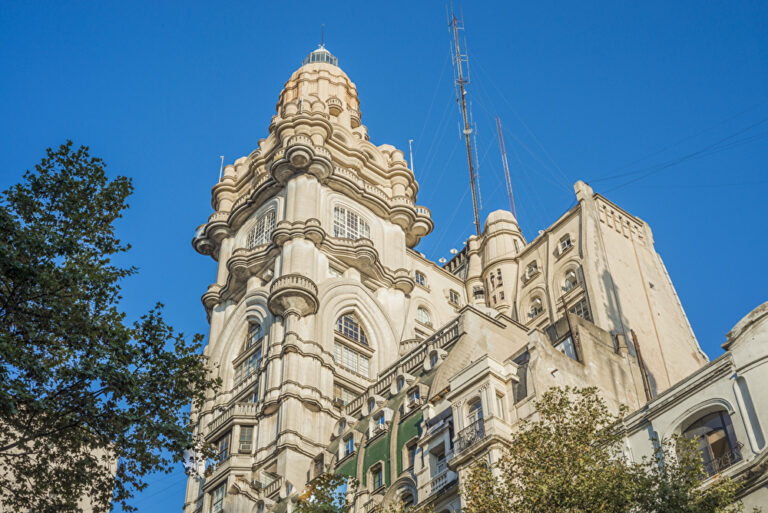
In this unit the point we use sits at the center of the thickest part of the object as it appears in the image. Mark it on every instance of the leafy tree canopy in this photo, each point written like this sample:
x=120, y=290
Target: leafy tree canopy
x=571, y=460
x=89, y=404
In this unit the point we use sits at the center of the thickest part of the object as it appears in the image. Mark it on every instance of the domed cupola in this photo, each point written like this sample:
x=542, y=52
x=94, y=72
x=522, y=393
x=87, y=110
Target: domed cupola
x=321, y=55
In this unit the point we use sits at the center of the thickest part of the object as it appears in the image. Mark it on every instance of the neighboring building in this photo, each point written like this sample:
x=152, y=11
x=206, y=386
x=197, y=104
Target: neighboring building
x=341, y=347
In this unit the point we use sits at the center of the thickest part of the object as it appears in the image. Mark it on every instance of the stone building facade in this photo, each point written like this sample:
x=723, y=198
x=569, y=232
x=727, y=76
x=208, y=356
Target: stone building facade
x=341, y=347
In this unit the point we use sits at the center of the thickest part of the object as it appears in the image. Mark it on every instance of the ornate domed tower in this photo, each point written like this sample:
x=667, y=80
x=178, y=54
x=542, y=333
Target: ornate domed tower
x=314, y=291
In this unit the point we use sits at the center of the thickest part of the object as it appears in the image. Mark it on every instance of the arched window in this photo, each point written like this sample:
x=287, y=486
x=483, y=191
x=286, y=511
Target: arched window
x=536, y=307
x=433, y=357
x=261, y=233
x=400, y=383
x=371, y=404
x=350, y=327
x=570, y=281
x=475, y=411
x=717, y=441
x=349, y=225
x=422, y=315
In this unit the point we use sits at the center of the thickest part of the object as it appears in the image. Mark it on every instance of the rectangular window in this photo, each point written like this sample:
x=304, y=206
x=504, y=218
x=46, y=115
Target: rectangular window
x=453, y=297
x=248, y=366
x=411, y=448
x=332, y=271
x=501, y=296
x=421, y=279
x=498, y=277
x=246, y=439
x=344, y=394
x=262, y=230
x=500, y=405
x=351, y=359
x=349, y=446
x=217, y=498
x=222, y=447
x=378, y=475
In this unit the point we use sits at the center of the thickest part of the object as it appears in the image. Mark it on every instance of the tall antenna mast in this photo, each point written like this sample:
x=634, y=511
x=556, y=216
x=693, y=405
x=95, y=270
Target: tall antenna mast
x=459, y=60
x=221, y=169
x=505, y=164
x=322, y=35
x=410, y=148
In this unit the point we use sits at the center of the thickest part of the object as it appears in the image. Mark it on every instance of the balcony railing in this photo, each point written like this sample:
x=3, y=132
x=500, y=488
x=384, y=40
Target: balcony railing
x=723, y=462
x=470, y=435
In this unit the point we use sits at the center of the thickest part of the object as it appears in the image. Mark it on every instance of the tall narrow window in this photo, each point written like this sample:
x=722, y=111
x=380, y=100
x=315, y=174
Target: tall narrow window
x=349, y=445
x=422, y=315
x=261, y=233
x=536, y=308
x=246, y=439
x=254, y=335
x=453, y=297
x=349, y=225
x=377, y=477
x=498, y=277
x=349, y=326
x=217, y=498
x=493, y=282
x=222, y=447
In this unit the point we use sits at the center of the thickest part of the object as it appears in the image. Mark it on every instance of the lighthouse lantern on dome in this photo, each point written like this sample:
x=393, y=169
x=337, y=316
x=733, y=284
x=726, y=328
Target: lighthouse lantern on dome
x=320, y=55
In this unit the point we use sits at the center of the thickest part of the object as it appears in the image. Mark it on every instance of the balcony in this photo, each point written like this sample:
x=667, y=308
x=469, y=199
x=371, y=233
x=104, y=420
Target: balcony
x=293, y=293
x=470, y=435
x=238, y=409
x=439, y=482
x=724, y=461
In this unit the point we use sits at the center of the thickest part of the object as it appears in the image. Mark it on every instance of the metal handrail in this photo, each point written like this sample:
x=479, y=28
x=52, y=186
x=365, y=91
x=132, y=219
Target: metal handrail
x=470, y=435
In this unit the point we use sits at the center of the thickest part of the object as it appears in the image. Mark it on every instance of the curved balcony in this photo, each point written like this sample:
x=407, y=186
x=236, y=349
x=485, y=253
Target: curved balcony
x=334, y=106
x=293, y=293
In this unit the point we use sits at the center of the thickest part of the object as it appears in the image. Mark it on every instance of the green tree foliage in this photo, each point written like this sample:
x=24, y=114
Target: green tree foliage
x=571, y=460
x=333, y=493
x=89, y=404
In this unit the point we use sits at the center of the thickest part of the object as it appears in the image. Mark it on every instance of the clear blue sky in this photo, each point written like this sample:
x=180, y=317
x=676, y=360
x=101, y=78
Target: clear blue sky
x=673, y=96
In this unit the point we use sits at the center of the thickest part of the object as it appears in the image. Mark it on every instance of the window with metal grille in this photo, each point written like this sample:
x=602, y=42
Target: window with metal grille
x=581, y=309
x=349, y=225
x=261, y=233
x=349, y=326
